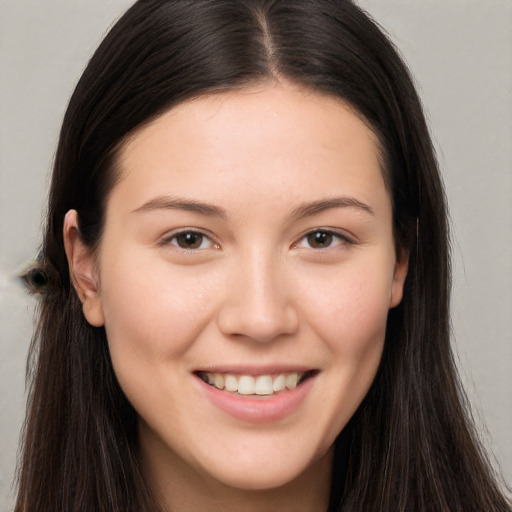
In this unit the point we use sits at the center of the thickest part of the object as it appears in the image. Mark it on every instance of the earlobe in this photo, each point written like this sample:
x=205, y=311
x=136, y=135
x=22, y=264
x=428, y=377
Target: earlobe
x=82, y=270
x=399, y=275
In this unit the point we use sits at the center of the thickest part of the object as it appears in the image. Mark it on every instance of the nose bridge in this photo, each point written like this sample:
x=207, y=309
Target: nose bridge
x=257, y=303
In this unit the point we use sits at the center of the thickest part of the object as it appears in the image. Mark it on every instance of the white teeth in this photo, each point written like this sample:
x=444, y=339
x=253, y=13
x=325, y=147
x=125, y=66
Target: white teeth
x=279, y=382
x=291, y=380
x=231, y=383
x=246, y=385
x=218, y=381
x=249, y=385
x=264, y=385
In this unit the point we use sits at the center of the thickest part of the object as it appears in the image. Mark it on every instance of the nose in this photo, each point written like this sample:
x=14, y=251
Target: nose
x=257, y=303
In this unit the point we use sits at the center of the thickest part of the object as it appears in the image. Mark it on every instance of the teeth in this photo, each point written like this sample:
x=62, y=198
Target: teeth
x=218, y=381
x=291, y=380
x=231, y=383
x=246, y=385
x=263, y=385
x=249, y=385
x=279, y=382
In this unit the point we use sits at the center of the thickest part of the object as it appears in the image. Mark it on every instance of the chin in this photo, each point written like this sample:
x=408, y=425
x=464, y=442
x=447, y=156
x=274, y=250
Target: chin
x=259, y=479
x=267, y=471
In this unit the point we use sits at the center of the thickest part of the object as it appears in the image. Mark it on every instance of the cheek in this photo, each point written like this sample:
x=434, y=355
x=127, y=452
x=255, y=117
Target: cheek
x=154, y=313
x=349, y=311
x=350, y=316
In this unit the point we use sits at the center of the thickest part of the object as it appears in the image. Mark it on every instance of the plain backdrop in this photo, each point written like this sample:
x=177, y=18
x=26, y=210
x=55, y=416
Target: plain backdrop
x=460, y=52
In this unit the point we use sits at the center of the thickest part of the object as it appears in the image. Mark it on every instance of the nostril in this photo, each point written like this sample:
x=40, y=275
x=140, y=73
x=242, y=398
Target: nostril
x=257, y=304
x=262, y=326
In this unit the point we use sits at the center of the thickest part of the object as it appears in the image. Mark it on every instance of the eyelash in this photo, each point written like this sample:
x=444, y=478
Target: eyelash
x=193, y=235
x=336, y=239
x=173, y=239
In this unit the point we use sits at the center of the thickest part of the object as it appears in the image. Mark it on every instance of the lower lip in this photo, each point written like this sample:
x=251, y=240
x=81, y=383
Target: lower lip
x=258, y=409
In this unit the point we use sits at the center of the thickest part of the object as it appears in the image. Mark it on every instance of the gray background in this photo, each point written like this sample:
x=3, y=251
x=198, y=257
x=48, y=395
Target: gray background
x=460, y=52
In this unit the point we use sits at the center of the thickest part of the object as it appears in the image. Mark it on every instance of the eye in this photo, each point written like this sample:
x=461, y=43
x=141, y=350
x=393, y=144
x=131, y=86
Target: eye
x=322, y=239
x=191, y=240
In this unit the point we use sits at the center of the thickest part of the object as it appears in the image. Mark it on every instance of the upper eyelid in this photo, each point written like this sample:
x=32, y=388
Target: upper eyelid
x=343, y=234
x=169, y=235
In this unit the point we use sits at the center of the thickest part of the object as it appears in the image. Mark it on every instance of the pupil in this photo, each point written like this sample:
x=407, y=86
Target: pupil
x=320, y=239
x=190, y=240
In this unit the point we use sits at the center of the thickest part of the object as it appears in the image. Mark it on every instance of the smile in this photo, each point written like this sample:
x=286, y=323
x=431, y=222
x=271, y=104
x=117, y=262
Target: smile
x=261, y=385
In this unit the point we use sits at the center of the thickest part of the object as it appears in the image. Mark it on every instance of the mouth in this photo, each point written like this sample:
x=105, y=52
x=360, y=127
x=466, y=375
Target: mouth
x=256, y=385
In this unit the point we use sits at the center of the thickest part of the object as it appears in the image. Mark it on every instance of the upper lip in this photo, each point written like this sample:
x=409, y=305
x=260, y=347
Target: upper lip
x=254, y=370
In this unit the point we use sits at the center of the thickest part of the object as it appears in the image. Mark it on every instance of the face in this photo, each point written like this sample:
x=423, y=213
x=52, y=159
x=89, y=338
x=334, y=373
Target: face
x=244, y=278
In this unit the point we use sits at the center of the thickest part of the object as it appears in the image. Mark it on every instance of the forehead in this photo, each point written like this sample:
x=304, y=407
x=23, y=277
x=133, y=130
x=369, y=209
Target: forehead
x=266, y=139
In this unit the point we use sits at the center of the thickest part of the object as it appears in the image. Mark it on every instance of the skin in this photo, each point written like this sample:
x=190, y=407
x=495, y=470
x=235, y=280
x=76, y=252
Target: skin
x=273, y=163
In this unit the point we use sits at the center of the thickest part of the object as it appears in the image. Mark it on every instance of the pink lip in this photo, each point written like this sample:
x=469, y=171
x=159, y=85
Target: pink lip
x=254, y=370
x=257, y=409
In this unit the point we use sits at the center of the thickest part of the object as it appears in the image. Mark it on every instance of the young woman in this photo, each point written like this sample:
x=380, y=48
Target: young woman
x=248, y=277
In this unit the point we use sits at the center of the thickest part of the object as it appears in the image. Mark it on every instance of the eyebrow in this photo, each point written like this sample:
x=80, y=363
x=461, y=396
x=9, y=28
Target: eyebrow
x=309, y=209
x=177, y=203
x=302, y=211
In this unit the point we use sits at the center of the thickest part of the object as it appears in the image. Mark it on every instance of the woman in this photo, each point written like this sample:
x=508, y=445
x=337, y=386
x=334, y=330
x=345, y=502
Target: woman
x=248, y=278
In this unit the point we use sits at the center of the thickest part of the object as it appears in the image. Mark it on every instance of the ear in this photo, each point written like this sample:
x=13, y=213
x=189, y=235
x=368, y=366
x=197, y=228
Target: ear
x=82, y=270
x=399, y=275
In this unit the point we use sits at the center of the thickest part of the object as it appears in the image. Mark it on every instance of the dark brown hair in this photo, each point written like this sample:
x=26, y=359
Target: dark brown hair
x=410, y=445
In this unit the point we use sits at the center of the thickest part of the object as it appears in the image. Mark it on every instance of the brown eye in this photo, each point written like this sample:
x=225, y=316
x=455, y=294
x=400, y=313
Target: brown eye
x=190, y=240
x=320, y=239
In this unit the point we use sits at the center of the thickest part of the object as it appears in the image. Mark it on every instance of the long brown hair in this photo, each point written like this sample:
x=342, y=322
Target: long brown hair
x=410, y=446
